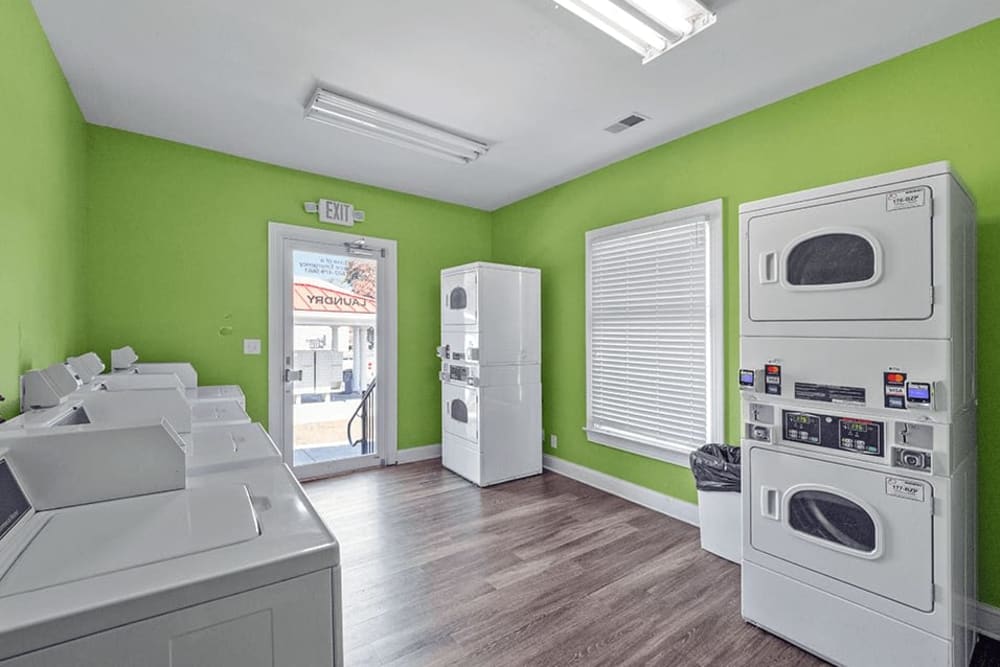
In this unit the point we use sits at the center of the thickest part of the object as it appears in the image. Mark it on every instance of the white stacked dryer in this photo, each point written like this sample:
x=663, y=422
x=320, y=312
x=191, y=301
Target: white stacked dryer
x=491, y=389
x=859, y=418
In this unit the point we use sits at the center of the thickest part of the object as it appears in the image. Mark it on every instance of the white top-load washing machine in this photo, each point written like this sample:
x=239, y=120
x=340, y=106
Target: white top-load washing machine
x=89, y=369
x=214, y=434
x=128, y=381
x=859, y=418
x=491, y=412
x=54, y=394
x=97, y=568
x=124, y=362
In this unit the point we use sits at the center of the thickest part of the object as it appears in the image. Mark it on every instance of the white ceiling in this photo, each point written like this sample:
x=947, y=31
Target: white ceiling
x=233, y=75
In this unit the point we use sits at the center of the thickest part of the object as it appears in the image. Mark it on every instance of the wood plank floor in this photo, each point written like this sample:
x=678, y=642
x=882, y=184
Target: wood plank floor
x=542, y=571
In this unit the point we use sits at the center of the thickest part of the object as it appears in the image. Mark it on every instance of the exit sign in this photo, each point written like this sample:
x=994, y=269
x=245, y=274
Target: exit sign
x=339, y=213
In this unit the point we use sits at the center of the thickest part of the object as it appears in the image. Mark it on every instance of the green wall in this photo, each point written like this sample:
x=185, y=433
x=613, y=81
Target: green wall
x=112, y=238
x=42, y=203
x=941, y=102
x=177, y=252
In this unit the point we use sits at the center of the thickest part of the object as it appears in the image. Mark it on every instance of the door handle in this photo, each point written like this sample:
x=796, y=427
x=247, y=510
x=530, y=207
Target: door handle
x=293, y=375
x=768, y=267
x=769, y=506
x=447, y=408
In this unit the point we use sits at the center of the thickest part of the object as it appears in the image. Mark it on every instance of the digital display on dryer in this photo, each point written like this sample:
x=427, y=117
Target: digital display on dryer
x=918, y=392
x=858, y=436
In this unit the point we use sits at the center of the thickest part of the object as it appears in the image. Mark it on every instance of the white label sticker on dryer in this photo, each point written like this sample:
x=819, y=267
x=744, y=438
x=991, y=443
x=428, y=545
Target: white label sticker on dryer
x=904, y=488
x=912, y=198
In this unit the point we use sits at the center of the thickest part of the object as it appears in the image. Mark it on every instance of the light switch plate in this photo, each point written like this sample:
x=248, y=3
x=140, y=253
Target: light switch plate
x=251, y=346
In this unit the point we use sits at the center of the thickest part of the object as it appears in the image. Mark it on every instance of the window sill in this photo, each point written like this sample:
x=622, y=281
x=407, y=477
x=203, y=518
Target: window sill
x=674, y=454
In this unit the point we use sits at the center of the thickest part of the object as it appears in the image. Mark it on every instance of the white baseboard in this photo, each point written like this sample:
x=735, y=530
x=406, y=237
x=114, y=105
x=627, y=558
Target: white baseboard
x=986, y=620
x=640, y=495
x=414, y=454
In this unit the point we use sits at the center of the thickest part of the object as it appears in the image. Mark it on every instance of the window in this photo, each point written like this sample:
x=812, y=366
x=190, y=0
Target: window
x=654, y=333
x=831, y=259
x=826, y=516
x=459, y=411
x=458, y=299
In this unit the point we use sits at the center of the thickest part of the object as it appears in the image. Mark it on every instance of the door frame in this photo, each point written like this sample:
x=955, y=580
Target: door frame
x=386, y=414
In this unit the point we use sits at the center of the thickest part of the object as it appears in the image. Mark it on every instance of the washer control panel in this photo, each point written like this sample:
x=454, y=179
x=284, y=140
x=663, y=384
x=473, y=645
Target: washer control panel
x=860, y=436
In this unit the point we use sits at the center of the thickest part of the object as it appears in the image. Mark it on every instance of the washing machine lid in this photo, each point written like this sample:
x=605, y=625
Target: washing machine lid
x=220, y=447
x=93, y=540
x=136, y=382
x=293, y=541
x=222, y=392
x=217, y=413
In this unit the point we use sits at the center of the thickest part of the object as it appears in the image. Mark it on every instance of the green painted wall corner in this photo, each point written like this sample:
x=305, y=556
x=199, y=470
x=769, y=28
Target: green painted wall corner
x=940, y=102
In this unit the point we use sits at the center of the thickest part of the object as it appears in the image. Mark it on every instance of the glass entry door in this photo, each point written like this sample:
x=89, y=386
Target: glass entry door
x=330, y=377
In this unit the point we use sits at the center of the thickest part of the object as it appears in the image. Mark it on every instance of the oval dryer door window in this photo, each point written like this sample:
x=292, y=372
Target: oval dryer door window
x=829, y=517
x=459, y=411
x=831, y=259
x=458, y=299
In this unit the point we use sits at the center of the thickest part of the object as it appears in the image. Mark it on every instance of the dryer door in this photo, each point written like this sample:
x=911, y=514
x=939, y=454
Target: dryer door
x=460, y=299
x=867, y=258
x=460, y=411
x=865, y=528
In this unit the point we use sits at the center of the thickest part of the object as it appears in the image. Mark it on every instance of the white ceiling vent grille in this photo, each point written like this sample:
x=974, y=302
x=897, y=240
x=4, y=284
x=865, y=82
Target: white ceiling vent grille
x=626, y=123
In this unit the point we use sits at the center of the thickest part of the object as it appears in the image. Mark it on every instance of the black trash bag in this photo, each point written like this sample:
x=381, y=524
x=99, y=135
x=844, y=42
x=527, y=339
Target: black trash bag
x=716, y=468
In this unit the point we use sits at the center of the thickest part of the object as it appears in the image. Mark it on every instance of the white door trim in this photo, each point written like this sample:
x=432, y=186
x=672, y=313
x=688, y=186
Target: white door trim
x=386, y=395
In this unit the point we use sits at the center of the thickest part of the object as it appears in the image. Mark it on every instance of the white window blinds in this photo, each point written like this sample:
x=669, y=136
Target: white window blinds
x=650, y=338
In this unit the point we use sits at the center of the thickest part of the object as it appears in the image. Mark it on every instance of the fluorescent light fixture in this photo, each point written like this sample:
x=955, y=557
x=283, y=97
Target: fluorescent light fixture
x=368, y=121
x=681, y=18
x=618, y=23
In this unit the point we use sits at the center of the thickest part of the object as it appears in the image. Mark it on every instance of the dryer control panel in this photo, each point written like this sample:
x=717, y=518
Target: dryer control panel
x=860, y=436
x=463, y=373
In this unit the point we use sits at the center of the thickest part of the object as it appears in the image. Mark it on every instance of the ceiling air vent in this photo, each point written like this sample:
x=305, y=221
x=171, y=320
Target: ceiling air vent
x=626, y=123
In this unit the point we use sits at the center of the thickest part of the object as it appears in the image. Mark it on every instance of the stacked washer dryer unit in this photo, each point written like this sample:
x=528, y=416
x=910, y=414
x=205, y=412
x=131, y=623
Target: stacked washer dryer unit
x=859, y=417
x=491, y=389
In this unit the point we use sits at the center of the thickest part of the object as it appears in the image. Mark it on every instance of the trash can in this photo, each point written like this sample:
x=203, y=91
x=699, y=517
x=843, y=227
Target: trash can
x=716, y=470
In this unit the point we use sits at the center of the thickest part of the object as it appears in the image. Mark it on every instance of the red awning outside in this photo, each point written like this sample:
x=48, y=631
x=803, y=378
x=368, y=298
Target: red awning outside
x=320, y=297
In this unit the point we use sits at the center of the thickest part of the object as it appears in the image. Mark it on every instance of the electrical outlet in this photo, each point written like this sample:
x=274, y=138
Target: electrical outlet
x=553, y=441
x=251, y=346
